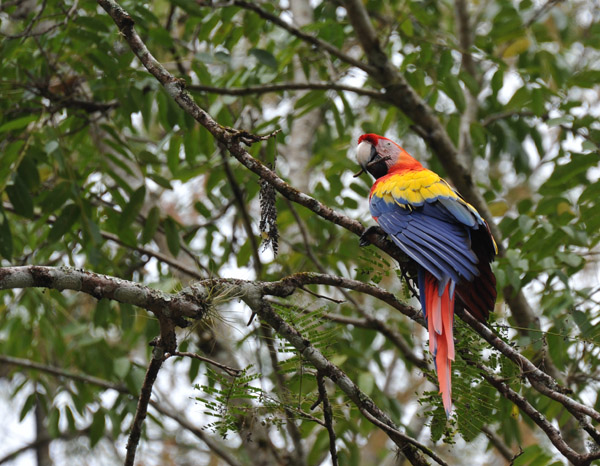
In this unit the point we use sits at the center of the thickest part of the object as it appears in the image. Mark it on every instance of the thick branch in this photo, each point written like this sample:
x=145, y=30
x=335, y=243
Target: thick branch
x=175, y=307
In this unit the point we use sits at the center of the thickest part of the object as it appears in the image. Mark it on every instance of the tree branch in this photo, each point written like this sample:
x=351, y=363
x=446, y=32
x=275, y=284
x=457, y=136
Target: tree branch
x=539, y=379
x=396, y=435
x=281, y=87
x=314, y=41
x=229, y=370
x=498, y=443
x=121, y=388
x=299, y=455
x=158, y=357
x=551, y=432
x=252, y=296
x=176, y=307
x=328, y=416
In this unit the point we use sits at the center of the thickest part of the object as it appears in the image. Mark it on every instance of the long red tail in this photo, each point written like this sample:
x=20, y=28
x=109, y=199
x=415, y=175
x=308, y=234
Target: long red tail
x=439, y=312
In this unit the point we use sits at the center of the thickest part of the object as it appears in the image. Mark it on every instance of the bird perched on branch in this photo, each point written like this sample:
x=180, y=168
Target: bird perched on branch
x=447, y=238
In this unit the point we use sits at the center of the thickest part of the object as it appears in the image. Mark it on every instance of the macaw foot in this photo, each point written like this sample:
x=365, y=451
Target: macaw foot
x=372, y=230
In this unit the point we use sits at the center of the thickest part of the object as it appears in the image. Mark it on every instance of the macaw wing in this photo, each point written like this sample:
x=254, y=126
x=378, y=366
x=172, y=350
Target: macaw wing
x=429, y=222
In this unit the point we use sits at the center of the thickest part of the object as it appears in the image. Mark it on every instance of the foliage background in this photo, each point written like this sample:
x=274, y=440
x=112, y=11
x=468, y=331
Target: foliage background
x=101, y=170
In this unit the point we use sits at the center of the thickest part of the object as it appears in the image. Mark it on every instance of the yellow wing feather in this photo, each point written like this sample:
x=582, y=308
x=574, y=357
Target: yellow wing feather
x=414, y=187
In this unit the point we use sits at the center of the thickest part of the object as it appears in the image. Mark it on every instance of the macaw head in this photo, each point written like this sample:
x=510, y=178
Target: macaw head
x=378, y=156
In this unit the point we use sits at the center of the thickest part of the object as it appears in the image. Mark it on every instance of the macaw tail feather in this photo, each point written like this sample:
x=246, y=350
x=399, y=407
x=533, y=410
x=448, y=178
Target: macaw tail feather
x=439, y=312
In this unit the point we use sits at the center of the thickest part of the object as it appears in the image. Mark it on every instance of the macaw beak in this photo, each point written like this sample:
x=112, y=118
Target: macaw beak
x=365, y=164
x=375, y=165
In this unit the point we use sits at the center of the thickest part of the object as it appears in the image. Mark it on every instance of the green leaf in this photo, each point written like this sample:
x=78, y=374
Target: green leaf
x=53, y=422
x=133, y=207
x=173, y=161
x=102, y=313
x=18, y=123
x=27, y=406
x=582, y=321
x=172, y=236
x=6, y=243
x=97, y=427
x=562, y=174
x=559, y=121
x=265, y=57
x=586, y=79
x=526, y=223
x=244, y=254
x=151, y=225
x=366, y=382
x=64, y=222
x=121, y=367
x=20, y=198
x=160, y=180
x=9, y=156
x=451, y=87
x=56, y=197
x=497, y=80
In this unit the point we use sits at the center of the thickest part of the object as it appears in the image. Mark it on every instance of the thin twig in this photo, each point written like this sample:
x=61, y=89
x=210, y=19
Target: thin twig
x=142, y=406
x=320, y=296
x=315, y=41
x=230, y=370
x=282, y=390
x=396, y=434
x=498, y=443
x=282, y=87
x=287, y=285
x=241, y=205
x=504, y=389
x=27, y=32
x=121, y=388
x=328, y=416
x=308, y=351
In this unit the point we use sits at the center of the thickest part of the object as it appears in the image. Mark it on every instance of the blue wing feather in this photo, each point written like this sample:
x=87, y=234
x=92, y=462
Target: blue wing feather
x=431, y=235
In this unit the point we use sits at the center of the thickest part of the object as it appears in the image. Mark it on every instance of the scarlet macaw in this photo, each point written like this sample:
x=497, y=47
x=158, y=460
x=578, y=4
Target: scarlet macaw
x=447, y=238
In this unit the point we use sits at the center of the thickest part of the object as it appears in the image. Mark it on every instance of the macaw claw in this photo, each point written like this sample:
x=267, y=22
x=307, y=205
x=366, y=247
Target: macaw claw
x=372, y=230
